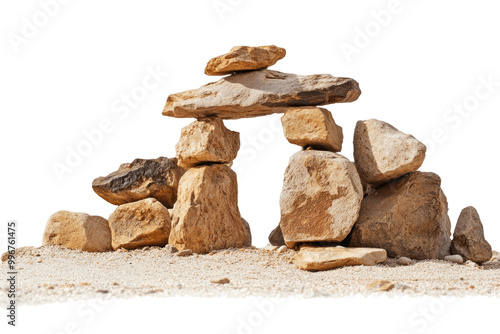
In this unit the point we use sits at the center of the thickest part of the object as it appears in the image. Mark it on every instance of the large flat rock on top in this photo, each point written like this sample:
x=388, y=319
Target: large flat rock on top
x=259, y=93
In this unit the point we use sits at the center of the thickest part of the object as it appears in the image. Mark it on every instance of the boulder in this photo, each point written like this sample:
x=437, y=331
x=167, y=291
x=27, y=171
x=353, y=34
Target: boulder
x=276, y=237
x=468, y=237
x=321, y=198
x=312, y=127
x=248, y=233
x=324, y=258
x=245, y=58
x=206, y=215
x=383, y=153
x=142, y=223
x=259, y=93
x=207, y=140
x=140, y=179
x=407, y=217
x=78, y=230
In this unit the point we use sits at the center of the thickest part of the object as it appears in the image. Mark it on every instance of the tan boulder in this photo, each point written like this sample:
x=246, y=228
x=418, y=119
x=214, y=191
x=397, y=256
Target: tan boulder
x=245, y=58
x=324, y=258
x=383, y=153
x=407, y=217
x=206, y=215
x=78, y=230
x=276, y=237
x=259, y=93
x=207, y=140
x=142, y=223
x=468, y=237
x=321, y=198
x=140, y=179
x=312, y=127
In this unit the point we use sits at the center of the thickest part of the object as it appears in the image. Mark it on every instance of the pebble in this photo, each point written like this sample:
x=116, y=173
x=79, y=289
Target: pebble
x=224, y=280
x=185, y=252
x=171, y=249
x=404, y=261
x=454, y=258
x=282, y=249
x=380, y=285
x=471, y=264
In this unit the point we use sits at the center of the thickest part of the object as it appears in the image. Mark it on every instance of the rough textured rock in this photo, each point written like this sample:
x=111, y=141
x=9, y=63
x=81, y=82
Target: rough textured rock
x=78, y=230
x=468, y=237
x=142, y=223
x=321, y=198
x=245, y=58
x=248, y=233
x=324, y=258
x=314, y=127
x=207, y=140
x=140, y=179
x=407, y=217
x=383, y=153
x=276, y=237
x=206, y=215
x=259, y=93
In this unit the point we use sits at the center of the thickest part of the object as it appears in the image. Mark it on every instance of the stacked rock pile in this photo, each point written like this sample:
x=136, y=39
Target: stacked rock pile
x=334, y=212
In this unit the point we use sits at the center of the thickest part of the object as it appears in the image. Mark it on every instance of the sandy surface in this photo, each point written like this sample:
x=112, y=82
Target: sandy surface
x=49, y=274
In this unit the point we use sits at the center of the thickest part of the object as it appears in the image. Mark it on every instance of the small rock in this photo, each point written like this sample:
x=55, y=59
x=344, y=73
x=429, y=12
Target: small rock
x=220, y=281
x=102, y=291
x=248, y=233
x=18, y=251
x=312, y=127
x=282, y=249
x=185, y=252
x=454, y=258
x=380, y=285
x=245, y=58
x=404, y=261
x=276, y=237
x=171, y=249
x=471, y=264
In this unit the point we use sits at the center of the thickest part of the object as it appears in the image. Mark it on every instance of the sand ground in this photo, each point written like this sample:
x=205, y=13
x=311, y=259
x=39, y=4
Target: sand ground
x=50, y=274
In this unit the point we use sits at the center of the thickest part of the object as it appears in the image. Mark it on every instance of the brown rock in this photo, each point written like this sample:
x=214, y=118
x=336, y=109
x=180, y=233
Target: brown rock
x=142, y=223
x=407, y=217
x=380, y=285
x=78, y=231
x=224, y=280
x=276, y=237
x=314, y=127
x=324, y=258
x=383, y=153
x=248, y=233
x=321, y=198
x=245, y=58
x=468, y=238
x=19, y=251
x=140, y=179
x=259, y=93
x=206, y=215
x=207, y=140
x=185, y=252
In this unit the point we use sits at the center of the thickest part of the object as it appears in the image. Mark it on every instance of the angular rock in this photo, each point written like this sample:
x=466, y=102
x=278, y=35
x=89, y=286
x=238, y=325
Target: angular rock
x=468, y=237
x=206, y=215
x=313, y=127
x=259, y=93
x=77, y=230
x=321, y=198
x=245, y=58
x=248, y=233
x=142, y=223
x=140, y=179
x=324, y=258
x=276, y=237
x=407, y=217
x=207, y=140
x=383, y=153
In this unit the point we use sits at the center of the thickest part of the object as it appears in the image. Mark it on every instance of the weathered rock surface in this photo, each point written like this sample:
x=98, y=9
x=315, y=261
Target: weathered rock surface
x=383, y=153
x=140, y=179
x=407, y=217
x=324, y=258
x=207, y=140
x=248, y=233
x=142, y=223
x=206, y=215
x=19, y=251
x=245, y=58
x=321, y=198
x=78, y=230
x=313, y=127
x=259, y=93
x=468, y=237
x=276, y=237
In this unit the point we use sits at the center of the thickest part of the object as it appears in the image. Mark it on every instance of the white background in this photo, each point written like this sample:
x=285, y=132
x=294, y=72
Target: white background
x=67, y=74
